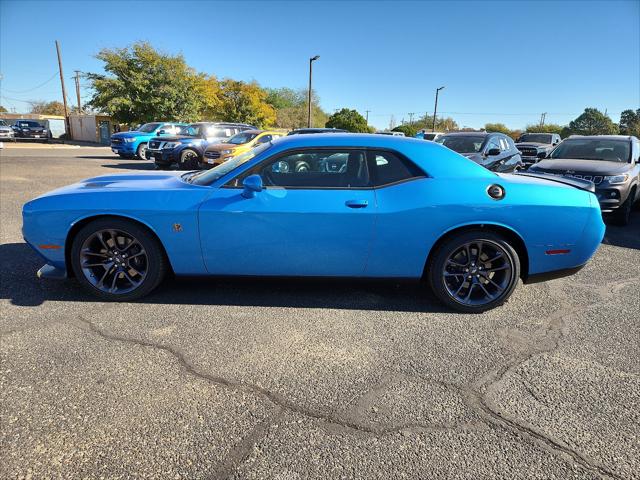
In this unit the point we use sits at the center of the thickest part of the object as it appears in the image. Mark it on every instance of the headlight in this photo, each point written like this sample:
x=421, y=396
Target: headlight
x=615, y=179
x=170, y=145
x=226, y=152
x=130, y=140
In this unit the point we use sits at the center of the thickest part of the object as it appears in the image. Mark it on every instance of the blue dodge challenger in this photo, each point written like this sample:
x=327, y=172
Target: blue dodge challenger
x=341, y=205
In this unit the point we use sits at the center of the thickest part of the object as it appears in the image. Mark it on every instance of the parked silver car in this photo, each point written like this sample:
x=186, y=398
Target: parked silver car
x=6, y=132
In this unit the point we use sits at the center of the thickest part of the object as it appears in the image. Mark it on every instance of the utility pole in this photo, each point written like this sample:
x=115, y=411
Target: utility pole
x=543, y=116
x=367, y=113
x=77, y=78
x=435, y=109
x=411, y=114
x=64, y=91
x=311, y=60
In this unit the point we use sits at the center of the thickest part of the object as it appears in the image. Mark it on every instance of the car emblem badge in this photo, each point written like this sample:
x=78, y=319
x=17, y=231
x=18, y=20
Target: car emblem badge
x=177, y=227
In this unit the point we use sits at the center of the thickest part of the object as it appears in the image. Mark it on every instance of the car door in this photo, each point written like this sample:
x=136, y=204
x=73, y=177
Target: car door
x=316, y=221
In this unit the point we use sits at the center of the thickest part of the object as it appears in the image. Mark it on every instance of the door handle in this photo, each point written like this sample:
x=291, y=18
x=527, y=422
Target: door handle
x=356, y=203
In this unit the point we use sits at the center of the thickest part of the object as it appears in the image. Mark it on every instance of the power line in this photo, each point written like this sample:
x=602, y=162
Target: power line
x=34, y=88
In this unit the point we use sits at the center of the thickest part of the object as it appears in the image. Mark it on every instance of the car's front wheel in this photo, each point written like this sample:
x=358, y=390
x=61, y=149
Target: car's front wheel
x=622, y=216
x=474, y=271
x=141, y=152
x=188, y=160
x=117, y=259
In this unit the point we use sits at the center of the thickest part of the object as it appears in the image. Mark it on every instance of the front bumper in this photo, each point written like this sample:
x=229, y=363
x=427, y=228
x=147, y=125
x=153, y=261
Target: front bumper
x=123, y=148
x=612, y=196
x=162, y=157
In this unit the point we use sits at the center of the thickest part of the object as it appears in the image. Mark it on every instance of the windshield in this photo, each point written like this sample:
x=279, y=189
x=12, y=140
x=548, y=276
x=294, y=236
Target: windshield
x=207, y=177
x=28, y=124
x=242, y=137
x=536, y=138
x=593, y=149
x=148, y=127
x=462, y=144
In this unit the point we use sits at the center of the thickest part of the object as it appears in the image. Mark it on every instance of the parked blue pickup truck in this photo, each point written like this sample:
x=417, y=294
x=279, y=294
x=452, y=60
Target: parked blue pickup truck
x=134, y=143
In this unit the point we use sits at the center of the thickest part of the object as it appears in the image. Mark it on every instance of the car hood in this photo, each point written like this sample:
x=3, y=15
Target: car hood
x=177, y=138
x=129, y=134
x=223, y=146
x=129, y=182
x=5, y=129
x=596, y=167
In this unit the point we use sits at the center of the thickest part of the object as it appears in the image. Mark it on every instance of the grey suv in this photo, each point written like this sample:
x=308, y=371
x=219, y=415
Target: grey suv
x=494, y=151
x=536, y=146
x=611, y=162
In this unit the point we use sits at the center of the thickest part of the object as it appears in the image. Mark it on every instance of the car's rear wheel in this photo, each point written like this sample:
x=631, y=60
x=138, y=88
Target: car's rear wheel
x=188, y=160
x=141, y=152
x=474, y=271
x=117, y=259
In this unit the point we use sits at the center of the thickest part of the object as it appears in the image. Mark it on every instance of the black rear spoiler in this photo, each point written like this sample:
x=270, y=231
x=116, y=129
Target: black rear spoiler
x=587, y=185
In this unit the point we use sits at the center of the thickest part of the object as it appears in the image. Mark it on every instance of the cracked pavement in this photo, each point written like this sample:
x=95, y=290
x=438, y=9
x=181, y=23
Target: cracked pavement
x=295, y=380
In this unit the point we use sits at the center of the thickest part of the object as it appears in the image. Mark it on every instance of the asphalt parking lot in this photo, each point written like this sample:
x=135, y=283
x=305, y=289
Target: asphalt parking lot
x=297, y=380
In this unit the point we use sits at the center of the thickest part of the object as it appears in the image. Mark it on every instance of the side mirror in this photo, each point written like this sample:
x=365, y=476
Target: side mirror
x=162, y=132
x=252, y=185
x=492, y=152
x=542, y=155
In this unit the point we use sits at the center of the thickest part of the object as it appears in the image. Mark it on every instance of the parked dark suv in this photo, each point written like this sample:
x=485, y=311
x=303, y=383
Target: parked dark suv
x=31, y=130
x=611, y=162
x=535, y=146
x=495, y=151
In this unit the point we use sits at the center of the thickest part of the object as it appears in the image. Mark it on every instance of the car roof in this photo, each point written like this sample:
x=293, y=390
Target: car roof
x=432, y=157
x=318, y=130
x=475, y=134
x=603, y=137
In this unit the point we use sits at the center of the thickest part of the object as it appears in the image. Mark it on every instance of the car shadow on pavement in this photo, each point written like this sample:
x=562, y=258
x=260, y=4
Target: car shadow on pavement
x=627, y=236
x=19, y=284
x=140, y=165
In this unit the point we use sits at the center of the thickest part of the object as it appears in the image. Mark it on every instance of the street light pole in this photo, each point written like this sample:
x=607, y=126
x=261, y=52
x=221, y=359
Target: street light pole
x=311, y=60
x=435, y=109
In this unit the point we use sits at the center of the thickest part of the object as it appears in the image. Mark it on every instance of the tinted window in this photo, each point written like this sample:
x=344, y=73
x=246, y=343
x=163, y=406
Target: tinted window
x=492, y=143
x=240, y=138
x=331, y=168
x=148, y=127
x=594, y=149
x=26, y=124
x=264, y=139
x=389, y=168
x=463, y=144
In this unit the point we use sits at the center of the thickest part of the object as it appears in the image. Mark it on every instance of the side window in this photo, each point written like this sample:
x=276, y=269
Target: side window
x=331, y=168
x=264, y=139
x=387, y=167
x=492, y=143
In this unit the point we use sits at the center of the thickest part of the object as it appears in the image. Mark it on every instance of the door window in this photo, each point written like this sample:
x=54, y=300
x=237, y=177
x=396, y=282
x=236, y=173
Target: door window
x=389, y=168
x=492, y=143
x=330, y=168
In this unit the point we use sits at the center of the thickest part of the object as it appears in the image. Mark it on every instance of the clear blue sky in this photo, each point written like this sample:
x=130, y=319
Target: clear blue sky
x=500, y=61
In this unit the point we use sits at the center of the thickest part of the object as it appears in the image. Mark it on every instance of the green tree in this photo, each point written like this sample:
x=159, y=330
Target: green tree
x=292, y=109
x=592, y=122
x=546, y=128
x=47, y=108
x=142, y=85
x=408, y=130
x=630, y=122
x=349, y=120
x=443, y=124
x=208, y=88
x=245, y=102
x=497, y=127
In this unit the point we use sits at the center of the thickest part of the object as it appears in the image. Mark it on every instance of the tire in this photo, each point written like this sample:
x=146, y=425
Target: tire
x=454, y=274
x=622, y=215
x=137, y=275
x=122, y=155
x=189, y=160
x=141, y=152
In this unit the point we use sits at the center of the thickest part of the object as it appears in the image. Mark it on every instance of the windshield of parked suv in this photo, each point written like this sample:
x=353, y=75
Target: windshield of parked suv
x=28, y=124
x=462, y=144
x=207, y=177
x=536, y=138
x=242, y=137
x=594, y=149
x=148, y=127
